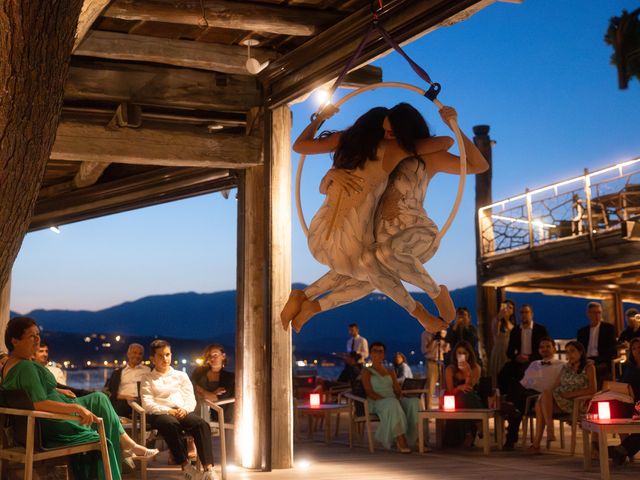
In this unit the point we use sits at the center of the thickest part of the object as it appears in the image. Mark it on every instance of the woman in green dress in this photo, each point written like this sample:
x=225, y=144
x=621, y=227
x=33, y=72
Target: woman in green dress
x=398, y=415
x=22, y=339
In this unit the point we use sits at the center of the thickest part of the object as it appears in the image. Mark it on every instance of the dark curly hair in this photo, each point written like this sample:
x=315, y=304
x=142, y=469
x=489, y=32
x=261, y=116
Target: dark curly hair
x=359, y=142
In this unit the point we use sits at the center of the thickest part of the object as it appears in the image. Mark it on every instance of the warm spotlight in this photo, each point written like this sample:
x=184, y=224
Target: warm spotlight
x=55, y=229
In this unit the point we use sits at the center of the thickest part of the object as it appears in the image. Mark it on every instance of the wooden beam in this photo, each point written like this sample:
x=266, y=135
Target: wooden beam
x=183, y=53
x=87, y=175
x=91, y=10
x=160, y=86
x=175, y=147
x=226, y=14
x=322, y=57
x=591, y=294
x=142, y=190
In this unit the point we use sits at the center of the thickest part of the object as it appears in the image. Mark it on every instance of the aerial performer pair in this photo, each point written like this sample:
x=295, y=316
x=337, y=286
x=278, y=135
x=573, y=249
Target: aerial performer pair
x=372, y=230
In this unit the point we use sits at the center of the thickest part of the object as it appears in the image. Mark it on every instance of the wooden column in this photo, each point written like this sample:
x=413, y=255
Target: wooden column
x=612, y=310
x=265, y=403
x=5, y=301
x=279, y=204
x=486, y=297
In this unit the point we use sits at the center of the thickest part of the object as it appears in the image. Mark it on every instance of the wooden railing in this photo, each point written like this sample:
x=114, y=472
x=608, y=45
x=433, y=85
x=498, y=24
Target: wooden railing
x=581, y=206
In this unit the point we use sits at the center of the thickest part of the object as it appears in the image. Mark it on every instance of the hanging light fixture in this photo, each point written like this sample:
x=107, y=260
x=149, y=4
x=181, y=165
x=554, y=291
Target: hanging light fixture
x=252, y=65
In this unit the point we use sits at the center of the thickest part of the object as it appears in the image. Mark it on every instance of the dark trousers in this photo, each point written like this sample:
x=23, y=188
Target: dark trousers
x=603, y=371
x=511, y=373
x=632, y=444
x=517, y=395
x=121, y=407
x=173, y=431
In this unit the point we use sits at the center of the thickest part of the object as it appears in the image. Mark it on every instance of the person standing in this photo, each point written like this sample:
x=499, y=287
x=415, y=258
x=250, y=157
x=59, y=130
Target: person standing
x=599, y=340
x=122, y=386
x=524, y=346
x=502, y=326
x=461, y=330
x=356, y=343
x=434, y=347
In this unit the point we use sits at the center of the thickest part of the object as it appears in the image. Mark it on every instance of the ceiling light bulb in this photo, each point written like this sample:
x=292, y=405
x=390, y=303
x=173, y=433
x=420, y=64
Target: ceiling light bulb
x=55, y=229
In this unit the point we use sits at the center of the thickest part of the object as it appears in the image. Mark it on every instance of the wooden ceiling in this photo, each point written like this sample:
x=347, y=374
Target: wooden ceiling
x=158, y=103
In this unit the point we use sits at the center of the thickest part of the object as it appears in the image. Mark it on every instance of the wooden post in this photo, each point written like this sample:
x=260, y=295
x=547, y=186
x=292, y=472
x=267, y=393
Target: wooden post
x=486, y=297
x=5, y=301
x=264, y=408
x=613, y=311
x=252, y=370
x=278, y=130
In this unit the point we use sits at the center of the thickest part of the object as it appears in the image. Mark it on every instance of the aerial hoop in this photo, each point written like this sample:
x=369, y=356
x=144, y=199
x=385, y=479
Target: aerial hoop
x=454, y=128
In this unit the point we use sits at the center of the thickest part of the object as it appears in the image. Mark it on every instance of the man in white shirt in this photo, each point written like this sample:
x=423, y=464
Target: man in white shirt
x=539, y=376
x=42, y=357
x=356, y=343
x=123, y=383
x=168, y=399
x=433, y=347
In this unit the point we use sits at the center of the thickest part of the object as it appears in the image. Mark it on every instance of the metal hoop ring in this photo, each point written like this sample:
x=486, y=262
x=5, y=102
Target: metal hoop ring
x=454, y=128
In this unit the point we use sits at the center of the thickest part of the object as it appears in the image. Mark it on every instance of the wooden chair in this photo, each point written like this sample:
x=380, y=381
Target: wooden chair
x=218, y=428
x=21, y=441
x=572, y=419
x=360, y=417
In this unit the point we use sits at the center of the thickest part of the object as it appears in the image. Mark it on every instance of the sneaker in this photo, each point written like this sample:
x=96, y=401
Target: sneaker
x=191, y=473
x=210, y=475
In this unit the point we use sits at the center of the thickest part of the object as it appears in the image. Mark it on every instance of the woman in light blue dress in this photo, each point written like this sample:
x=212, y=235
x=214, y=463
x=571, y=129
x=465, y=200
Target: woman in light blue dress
x=398, y=415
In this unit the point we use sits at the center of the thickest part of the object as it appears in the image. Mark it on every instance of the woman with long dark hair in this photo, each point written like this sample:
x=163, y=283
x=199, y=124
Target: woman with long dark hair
x=461, y=380
x=577, y=378
x=212, y=382
x=502, y=326
x=22, y=338
x=404, y=234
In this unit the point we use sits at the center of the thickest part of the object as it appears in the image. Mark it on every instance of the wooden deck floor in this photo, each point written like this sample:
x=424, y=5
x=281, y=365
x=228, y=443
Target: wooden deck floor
x=315, y=460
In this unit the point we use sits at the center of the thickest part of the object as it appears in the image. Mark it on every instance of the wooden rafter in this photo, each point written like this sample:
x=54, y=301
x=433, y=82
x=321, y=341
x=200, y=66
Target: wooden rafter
x=183, y=53
x=225, y=14
x=161, y=86
x=176, y=147
x=91, y=10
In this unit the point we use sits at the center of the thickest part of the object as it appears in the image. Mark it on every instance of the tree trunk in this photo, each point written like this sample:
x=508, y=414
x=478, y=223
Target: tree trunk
x=36, y=38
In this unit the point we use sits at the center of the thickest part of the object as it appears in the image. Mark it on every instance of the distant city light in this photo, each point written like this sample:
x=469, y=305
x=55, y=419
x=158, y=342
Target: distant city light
x=413, y=352
x=124, y=362
x=55, y=229
x=199, y=361
x=300, y=363
x=106, y=363
x=175, y=362
x=115, y=361
x=184, y=361
x=106, y=345
x=117, y=338
x=87, y=339
x=88, y=363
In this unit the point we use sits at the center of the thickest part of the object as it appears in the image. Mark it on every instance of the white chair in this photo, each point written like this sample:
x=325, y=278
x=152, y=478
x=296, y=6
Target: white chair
x=218, y=428
x=360, y=417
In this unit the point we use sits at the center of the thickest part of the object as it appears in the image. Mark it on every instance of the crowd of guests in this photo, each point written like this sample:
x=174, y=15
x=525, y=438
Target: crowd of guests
x=169, y=397
x=523, y=363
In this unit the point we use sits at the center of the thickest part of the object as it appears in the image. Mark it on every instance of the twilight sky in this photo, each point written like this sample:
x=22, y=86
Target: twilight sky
x=538, y=73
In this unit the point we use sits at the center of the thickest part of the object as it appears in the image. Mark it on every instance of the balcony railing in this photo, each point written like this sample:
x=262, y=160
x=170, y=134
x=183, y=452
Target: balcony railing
x=586, y=205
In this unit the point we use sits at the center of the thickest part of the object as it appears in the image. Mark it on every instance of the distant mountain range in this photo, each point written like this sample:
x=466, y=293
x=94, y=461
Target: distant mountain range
x=204, y=317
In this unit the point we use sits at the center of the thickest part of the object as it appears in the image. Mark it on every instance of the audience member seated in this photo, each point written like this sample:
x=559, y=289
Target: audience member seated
x=168, y=399
x=633, y=326
x=461, y=330
x=524, y=344
x=631, y=375
x=401, y=368
x=461, y=379
x=212, y=382
x=577, y=378
x=122, y=386
x=502, y=326
x=541, y=375
x=398, y=415
x=22, y=338
x=42, y=357
x=599, y=340
x=350, y=376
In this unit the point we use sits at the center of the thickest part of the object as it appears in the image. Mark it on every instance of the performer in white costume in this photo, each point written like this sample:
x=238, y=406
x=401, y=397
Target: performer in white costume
x=406, y=237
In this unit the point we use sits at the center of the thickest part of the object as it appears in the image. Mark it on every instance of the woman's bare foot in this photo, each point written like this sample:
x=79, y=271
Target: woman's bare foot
x=308, y=309
x=444, y=303
x=430, y=323
x=292, y=307
x=401, y=443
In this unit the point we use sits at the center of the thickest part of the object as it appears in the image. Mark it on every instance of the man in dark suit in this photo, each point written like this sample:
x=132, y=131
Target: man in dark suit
x=599, y=341
x=122, y=386
x=524, y=343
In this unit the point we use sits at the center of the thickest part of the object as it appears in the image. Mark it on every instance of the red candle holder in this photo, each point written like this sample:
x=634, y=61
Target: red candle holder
x=449, y=403
x=314, y=400
x=604, y=411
